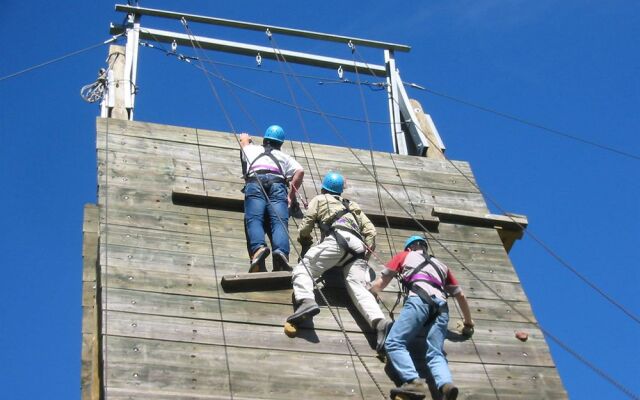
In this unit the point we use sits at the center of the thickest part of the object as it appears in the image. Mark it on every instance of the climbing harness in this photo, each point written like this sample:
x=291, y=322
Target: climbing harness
x=329, y=229
x=266, y=174
x=416, y=275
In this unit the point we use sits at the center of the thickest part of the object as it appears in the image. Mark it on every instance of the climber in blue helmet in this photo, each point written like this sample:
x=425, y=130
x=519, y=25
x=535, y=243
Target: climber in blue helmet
x=348, y=237
x=427, y=282
x=268, y=172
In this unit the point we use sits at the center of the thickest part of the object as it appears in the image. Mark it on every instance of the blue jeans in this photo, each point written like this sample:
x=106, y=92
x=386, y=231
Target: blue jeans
x=409, y=324
x=258, y=211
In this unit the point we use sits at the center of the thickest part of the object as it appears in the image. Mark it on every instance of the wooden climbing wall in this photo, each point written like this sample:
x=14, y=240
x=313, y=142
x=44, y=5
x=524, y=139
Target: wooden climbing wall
x=158, y=325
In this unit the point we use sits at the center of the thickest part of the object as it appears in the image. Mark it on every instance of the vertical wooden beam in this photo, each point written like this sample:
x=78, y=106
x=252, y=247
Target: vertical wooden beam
x=113, y=104
x=90, y=369
x=436, y=147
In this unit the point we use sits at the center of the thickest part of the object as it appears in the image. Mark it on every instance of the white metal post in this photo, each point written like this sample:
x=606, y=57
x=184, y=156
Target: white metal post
x=397, y=136
x=131, y=63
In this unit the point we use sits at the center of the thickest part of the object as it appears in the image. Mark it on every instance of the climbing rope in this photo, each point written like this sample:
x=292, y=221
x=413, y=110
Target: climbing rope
x=527, y=232
x=352, y=348
x=326, y=116
x=353, y=51
x=580, y=358
x=297, y=107
x=555, y=339
x=324, y=299
x=99, y=291
x=392, y=245
x=215, y=272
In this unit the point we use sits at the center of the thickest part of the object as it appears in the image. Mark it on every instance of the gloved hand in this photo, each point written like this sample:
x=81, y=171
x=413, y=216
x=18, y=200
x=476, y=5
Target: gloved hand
x=468, y=330
x=465, y=329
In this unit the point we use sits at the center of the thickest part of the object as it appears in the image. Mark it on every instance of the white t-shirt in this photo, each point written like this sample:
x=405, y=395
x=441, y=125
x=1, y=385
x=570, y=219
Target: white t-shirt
x=288, y=164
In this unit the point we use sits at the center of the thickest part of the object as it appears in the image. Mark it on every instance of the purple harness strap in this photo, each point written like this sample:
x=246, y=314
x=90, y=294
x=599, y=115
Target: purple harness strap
x=265, y=167
x=425, y=277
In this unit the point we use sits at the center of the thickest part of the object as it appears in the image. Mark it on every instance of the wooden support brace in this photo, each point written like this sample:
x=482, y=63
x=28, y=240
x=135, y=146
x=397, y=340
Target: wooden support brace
x=257, y=281
x=201, y=198
x=510, y=221
x=510, y=227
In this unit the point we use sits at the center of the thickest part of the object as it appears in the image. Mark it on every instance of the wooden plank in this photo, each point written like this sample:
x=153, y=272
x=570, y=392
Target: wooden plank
x=494, y=342
x=493, y=346
x=257, y=281
x=205, y=286
x=200, y=369
x=510, y=222
x=180, y=370
x=227, y=261
x=225, y=162
x=488, y=260
x=123, y=201
x=90, y=374
x=224, y=140
x=215, y=200
x=173, y=151
x=421, y=198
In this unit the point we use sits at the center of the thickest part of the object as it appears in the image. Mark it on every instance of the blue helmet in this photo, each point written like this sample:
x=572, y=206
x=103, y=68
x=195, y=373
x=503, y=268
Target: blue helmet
x=275, y=133
x=333, y=182
x=412, y=239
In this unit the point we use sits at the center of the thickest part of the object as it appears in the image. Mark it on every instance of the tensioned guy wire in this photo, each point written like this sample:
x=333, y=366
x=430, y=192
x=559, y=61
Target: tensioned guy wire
x=575, y=354
x=529, y=233
x=73, y=53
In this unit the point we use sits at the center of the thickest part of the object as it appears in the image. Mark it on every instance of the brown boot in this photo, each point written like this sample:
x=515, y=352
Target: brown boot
x=449, y=391
x=417, y=386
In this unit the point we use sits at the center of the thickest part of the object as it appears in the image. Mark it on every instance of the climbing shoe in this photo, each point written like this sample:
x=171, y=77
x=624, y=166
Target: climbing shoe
x=307, y=309
x=449, y=391
x=382, y=331
x=416, y=387
x=257, y=262
x=280, y=262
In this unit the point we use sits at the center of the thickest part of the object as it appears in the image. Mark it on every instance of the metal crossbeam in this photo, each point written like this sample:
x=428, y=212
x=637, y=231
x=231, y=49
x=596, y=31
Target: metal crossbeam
x=406, y=134
x=261, y=27
x=252, y=50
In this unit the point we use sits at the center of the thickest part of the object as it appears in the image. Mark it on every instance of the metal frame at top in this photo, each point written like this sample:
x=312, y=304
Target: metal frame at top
x=261, y=27
x=407, y=137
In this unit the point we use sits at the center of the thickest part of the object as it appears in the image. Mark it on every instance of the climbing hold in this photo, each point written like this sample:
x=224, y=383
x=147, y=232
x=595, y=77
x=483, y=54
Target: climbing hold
x=522, y=336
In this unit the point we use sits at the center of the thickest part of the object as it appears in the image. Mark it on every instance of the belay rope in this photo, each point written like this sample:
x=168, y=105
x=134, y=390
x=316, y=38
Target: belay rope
x=325, y=116
x=350, y=344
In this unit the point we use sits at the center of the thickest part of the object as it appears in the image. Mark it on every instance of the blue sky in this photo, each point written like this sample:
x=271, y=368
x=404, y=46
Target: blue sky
x=572, y=65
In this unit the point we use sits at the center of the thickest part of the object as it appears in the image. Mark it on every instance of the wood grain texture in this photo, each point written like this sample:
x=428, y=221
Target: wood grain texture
x=90, y=367
x=171, y=331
